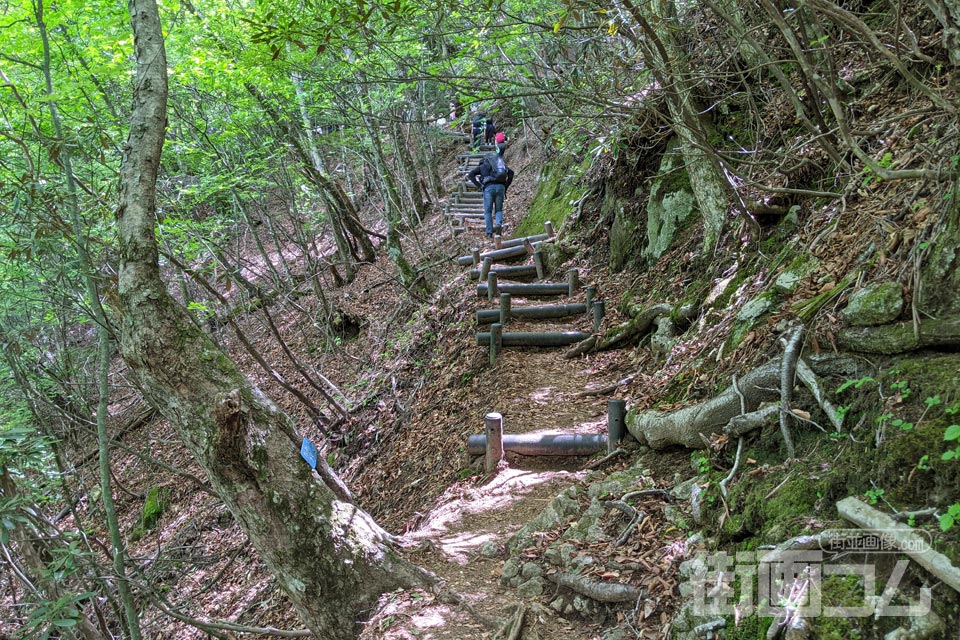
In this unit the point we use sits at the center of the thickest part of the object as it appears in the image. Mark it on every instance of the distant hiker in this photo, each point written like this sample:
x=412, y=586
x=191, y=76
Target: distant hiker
x=489, y=131
x=479, y=124
x=493, y=177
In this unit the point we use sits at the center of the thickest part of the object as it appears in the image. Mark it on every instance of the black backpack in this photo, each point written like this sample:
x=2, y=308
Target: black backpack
x=497, y=168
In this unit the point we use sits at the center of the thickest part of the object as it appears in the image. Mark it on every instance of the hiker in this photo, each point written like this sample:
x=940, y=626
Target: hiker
x=489, y=131
x=479, y=125
x=493, y=177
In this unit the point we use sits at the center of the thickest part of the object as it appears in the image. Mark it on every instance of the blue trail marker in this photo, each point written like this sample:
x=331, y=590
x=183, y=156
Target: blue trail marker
x=308, y=451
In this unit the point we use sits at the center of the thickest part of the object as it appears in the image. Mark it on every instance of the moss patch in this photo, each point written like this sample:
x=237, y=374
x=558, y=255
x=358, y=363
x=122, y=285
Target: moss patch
x=158, y=498
x=557, y=187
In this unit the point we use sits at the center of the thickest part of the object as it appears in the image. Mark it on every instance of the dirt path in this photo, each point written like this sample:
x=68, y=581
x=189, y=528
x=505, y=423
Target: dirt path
x=462, y=537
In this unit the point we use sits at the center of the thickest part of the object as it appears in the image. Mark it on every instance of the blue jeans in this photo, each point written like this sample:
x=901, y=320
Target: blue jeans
x=493, y=202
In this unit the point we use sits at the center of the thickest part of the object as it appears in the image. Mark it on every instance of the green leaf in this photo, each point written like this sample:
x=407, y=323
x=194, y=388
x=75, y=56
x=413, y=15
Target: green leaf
x=946, y=522
x=952, y=432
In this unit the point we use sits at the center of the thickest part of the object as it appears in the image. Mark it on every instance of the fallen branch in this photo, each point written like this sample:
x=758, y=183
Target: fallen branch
x=599, y=591
x=906, y=540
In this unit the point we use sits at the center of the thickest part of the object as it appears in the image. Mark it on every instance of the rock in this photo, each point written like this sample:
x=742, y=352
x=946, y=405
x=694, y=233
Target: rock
x=510, y=569
x=755, y=309
x=567, y=552
x=584, y=606
x=683, y=490
x=616, y=634
x=875, y=304
x=552, y=555
x=788, y=281
x=489, y=549
x=531, y=570
x=558, y=604
x=531, y=588
x=674, y=515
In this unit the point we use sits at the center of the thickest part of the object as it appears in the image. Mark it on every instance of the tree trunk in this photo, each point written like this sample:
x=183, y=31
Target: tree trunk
x=329, y=556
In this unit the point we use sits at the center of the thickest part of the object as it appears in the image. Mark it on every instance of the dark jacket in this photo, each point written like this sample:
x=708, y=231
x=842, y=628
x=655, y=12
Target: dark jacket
x=482, y=171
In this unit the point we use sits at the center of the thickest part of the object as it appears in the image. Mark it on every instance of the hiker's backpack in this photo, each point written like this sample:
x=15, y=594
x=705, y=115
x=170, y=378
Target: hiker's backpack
x=498, y=169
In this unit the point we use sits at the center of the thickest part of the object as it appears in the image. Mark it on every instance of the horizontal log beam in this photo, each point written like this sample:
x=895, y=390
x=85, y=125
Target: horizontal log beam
x=515, y=272
x=537, y=312
x=529, y=288
x=496, y=254
x=532, y=444
x=535, y=339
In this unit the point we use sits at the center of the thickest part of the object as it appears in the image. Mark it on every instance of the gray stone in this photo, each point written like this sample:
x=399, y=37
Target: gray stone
x=755, y=309
x=788, y=281
x=674, y=515
x=875, y=304
x=510, y=569
x=558, y=604
x=531, y=588
x=683, y=490
x=567, y=552
x=583, y=606
x=531, y=570
x=489, y=549
x=617, y=633
x=624, y=245
x=552, y=555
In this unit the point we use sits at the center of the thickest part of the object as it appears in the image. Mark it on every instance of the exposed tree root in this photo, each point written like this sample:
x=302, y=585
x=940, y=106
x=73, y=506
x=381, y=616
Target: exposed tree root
x=642, y=319
x=599, y=591
x=809, y=378
x=741, y=425
x=901, y=337
x=791, y=353
x=511, y=628
x=688, y=426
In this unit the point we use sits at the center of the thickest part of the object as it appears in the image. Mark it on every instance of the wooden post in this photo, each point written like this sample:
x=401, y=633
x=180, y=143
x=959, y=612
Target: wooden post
x=591, y=294
x=538, y=261
x=573, y=282
x=493, y=426
x=498, y=241
x=485, y=268
x=529, y=246
x=491, y=285
x=616, y=412
x=496, y=342
x=598, y=312
x=504, y=308
x=475, y=253
x=549, y=227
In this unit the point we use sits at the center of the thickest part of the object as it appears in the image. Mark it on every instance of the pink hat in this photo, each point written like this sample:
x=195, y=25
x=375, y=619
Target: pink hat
x=500, y=138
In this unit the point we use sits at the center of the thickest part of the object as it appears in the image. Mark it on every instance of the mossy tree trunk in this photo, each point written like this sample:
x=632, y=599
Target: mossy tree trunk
x=329, y=556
